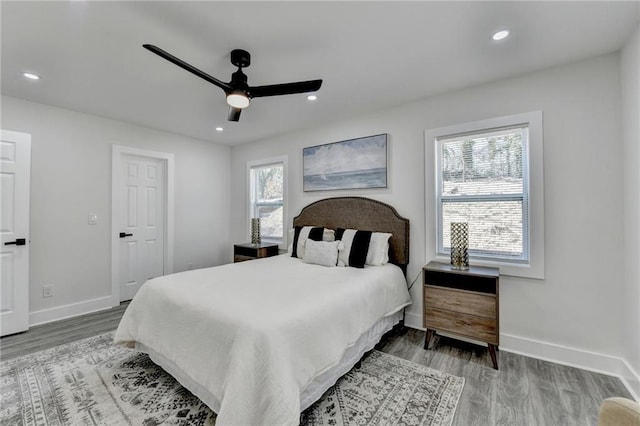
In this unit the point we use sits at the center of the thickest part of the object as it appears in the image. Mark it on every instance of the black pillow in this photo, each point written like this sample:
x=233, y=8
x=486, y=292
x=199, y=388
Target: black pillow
x=315, y=234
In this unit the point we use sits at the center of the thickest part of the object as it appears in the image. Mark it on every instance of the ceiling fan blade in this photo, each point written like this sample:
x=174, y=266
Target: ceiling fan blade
x=285, y=89
x=234, y=114
x=182, y=64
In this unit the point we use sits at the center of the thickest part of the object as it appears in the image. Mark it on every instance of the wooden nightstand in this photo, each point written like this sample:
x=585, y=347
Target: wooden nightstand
x=463, y=303
x=248, y=251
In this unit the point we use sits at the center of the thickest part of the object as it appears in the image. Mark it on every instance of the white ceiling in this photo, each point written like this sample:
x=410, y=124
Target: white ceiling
x=370, y=55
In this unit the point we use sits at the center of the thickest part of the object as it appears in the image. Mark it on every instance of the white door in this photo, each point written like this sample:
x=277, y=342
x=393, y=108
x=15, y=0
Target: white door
x=141, y=232
x=15, y=167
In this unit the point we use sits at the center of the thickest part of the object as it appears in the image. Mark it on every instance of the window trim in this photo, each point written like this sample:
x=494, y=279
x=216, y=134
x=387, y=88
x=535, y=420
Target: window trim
x=534, y=268
x=283, y=159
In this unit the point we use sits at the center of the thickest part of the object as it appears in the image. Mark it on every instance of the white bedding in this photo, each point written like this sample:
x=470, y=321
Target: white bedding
x=254, y=335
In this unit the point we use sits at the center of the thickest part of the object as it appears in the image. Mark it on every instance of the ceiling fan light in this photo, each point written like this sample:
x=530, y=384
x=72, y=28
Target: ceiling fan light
x=238, y=100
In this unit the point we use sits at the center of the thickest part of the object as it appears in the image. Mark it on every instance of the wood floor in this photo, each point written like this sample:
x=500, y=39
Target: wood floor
x=57, y=333
x=525, y=391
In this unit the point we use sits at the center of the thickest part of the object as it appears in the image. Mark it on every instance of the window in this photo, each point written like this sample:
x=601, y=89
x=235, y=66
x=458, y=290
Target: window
x=483, y=180
x=483, y=176
x=267, y=190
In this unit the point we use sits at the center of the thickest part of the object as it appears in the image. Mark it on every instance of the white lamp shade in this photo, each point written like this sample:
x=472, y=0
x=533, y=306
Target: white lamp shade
x=237, y=100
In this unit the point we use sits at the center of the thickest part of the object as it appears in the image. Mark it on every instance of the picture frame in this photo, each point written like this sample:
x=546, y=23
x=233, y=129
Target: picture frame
x=350, y=164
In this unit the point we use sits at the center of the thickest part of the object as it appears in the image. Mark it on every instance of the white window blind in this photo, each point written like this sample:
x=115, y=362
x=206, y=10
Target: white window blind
x=482, y=179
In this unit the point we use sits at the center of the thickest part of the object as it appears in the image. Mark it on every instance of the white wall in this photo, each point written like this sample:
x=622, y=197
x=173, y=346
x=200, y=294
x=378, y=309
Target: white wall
x=630, y=84
x=573, y=315
x=71, y=177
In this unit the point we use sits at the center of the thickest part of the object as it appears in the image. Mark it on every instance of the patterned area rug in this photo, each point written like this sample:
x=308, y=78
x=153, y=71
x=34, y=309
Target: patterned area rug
x=94, y=382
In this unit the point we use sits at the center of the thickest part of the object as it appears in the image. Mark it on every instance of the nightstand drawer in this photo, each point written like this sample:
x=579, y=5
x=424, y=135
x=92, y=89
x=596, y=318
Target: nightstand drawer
x=256, y=251
x=242, y=252
x=482, y=305
x=241, y=258
x=465, y=325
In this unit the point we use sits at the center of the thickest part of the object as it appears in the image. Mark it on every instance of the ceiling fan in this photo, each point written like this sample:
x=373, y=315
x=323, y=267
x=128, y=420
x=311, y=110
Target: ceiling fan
x=239, y=93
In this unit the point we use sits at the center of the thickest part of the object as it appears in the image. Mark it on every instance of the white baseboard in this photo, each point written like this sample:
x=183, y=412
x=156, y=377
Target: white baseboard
x=68, y=311
x=631, y=380
x=413, y=320
x=559, y=354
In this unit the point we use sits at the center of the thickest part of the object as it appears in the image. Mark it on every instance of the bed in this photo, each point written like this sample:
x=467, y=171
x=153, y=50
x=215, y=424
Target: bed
x=261, y=341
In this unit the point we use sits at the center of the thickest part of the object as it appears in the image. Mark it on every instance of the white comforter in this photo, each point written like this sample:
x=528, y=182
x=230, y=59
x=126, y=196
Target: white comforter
x=254, y=334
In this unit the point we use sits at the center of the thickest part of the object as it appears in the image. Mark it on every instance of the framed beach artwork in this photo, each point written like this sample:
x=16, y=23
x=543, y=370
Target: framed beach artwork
x=351, y=164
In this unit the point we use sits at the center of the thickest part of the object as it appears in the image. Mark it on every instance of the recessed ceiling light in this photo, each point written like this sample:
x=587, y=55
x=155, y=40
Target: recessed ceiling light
x=312, y=97
x=219, y=129
x=30, y=76
x=500, y=35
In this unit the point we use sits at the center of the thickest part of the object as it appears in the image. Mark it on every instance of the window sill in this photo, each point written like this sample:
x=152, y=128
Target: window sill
x=506, y=268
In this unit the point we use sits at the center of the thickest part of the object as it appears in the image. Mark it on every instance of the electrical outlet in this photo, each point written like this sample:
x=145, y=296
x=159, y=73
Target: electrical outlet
x=47, y=291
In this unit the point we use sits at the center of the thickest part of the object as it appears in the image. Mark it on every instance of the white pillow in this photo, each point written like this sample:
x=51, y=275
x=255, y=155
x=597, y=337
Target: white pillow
x=378, y=253
x=323, y=253
x=327, y=235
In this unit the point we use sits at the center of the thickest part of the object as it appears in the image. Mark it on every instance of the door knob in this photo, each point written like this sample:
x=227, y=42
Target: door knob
x=17, y=242
x=122, y=235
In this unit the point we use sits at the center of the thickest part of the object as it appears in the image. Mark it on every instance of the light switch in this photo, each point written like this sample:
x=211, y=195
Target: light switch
x=93, y=218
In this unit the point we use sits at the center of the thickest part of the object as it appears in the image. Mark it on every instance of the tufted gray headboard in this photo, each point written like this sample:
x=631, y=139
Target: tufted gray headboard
x=363, y=214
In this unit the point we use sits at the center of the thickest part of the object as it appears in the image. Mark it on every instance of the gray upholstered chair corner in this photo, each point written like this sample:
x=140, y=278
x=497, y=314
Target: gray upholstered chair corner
x=619, y=412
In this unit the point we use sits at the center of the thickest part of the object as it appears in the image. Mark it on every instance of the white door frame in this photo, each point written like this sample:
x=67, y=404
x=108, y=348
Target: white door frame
x=116, y=163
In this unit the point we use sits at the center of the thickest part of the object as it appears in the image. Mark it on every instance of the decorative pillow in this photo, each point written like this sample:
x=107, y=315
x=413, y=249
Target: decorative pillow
x=356, y=246
x=327, y=235
x=323, y=253
x=300, y=235
x=378, y=253
x=363, y=247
